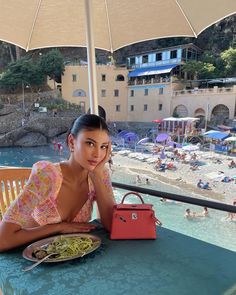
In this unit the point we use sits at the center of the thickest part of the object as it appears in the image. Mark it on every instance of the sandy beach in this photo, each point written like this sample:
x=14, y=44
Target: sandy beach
x=213, y=169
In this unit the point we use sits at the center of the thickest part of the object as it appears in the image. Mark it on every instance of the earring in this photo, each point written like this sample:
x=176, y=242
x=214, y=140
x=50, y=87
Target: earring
x=71, y=150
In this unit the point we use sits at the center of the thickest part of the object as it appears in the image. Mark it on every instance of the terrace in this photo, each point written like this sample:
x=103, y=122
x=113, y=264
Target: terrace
x=179, y=261
x=175, y=263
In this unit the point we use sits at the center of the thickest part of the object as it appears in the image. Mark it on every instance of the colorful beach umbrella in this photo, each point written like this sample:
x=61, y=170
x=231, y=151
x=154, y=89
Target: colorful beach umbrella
x=122, y=133
x=157, y=121
x=143, y=140
x=162, y=137
x=130, y=136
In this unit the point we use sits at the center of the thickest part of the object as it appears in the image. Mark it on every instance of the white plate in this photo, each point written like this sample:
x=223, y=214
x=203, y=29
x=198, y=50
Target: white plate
x=28, y=251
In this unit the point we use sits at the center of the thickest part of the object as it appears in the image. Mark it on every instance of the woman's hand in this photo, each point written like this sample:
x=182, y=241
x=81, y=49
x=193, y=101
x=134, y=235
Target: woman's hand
x=74, y=227
x=99, y=169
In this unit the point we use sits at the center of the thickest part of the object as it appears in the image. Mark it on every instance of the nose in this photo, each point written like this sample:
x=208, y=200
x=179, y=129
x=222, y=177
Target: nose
x=96, y=152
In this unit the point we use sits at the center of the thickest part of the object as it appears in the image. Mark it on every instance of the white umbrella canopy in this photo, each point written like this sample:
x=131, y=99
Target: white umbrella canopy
x=105, y=24
x=32, y=24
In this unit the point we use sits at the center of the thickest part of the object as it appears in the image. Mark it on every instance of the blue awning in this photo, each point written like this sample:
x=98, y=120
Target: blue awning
x=152, y=71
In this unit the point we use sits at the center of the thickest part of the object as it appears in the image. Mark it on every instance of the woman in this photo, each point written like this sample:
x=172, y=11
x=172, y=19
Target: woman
x=58, y=198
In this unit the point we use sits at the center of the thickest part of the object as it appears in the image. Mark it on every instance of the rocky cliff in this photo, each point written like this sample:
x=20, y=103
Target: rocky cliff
x=33, y=128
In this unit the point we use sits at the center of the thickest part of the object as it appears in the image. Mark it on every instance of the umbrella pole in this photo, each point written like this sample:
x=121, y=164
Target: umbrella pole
x=92, y=78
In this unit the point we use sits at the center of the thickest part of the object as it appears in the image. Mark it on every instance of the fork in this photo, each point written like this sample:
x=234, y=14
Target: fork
x=38, y=262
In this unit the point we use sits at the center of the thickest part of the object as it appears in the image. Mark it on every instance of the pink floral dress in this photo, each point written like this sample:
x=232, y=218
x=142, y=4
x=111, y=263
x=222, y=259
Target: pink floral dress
x=38, y=201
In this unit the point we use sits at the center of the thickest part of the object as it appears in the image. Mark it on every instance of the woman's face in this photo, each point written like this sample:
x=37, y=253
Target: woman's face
x=90, y=148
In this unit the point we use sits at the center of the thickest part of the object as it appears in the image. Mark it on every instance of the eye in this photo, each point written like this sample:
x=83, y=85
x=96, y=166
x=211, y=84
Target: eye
x=104, y=147
x=89, y=143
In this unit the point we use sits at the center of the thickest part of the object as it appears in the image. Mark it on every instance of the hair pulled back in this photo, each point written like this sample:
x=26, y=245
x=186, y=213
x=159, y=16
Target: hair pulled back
x=88, y=122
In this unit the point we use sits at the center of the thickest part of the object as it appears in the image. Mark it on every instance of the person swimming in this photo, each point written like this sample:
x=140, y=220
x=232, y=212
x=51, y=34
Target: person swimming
x=189, y=213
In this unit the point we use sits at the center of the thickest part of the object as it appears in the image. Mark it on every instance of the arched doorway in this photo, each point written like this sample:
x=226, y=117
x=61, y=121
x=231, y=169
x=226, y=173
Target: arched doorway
x=201, y=114
x=180, y=111
x=220, y=114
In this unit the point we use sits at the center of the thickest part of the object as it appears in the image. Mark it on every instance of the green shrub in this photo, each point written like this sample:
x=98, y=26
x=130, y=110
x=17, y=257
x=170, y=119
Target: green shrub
x=59, y=104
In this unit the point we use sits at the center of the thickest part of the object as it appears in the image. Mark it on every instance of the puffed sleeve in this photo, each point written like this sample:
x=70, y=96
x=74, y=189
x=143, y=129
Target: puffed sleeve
x=43, y=183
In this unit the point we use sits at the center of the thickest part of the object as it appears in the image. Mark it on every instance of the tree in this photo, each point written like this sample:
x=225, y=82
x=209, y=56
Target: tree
x=192, y=68
x=208, y=57
x=52, y=64
x=199, y=69
x=207, y=71
x=229, y=58
x=23, y=70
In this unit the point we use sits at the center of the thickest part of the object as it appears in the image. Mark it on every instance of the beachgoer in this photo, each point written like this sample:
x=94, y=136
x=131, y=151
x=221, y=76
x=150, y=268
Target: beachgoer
x=59, y=147
x=204, y=213
x=54, y=145
x=138, y=179
x=170, y=166
x=232, y=164
x=163, y=167
x=172, y=157
x=194, y=157
x=58, y=197
x=194, y=167
x=226, y=179
x=231, y=215
x=189, y=214
x=206, y=186
x=147, y=181
x=200, y=183
x=158, y=163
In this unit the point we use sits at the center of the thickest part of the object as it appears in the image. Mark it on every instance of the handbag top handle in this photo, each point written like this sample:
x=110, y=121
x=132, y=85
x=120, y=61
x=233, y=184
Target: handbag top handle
x=132, y=193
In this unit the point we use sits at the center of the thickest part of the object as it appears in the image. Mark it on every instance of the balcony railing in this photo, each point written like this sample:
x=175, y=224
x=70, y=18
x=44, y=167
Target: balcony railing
x=149, y=81
x=197, y=91
x=156, y=63
x=175, y=197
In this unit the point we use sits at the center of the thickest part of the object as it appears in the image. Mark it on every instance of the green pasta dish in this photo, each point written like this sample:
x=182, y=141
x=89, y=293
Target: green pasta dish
x=65, y=247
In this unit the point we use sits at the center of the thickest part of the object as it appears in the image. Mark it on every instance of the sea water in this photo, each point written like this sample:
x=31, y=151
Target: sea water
x=215, y=229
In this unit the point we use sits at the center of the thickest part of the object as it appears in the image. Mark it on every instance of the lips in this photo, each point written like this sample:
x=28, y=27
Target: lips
x=93, y=163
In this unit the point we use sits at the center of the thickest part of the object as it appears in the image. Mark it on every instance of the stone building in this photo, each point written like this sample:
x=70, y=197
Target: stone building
x=151, y=86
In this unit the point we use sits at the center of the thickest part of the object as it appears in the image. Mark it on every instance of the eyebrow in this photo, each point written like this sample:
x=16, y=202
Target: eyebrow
x=88, y=138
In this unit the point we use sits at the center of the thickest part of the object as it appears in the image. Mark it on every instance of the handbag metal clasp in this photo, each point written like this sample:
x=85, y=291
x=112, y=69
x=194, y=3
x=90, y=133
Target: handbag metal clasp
x=134, y=216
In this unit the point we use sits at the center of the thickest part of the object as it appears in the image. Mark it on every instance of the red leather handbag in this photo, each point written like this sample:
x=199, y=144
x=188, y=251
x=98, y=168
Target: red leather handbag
x=133, y=221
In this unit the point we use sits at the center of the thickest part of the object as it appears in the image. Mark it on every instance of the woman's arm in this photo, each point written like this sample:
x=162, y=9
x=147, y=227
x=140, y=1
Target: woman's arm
x=12, y=235
x=104, y=198
x=14, y=229
x=104, y=193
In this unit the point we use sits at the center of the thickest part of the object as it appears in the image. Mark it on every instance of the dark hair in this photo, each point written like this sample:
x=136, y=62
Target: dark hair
x=87, y=122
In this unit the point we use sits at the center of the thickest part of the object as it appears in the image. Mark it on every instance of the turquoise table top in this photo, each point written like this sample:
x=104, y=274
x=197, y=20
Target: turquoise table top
x=172, y=264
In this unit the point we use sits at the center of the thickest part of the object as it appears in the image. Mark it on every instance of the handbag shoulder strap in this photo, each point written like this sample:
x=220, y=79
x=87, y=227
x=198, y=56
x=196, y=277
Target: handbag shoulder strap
x=132, y=193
